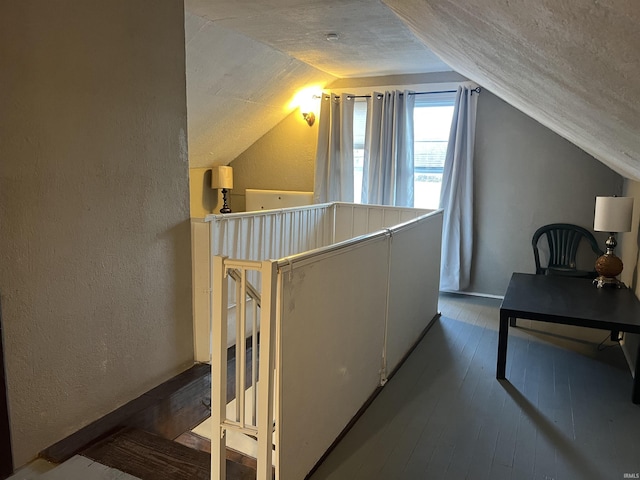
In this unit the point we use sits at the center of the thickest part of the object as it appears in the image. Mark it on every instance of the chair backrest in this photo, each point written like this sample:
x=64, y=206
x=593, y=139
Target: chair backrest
x=564, y=240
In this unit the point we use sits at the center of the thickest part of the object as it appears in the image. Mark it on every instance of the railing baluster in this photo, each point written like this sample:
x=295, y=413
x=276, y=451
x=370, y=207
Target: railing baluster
x=241, y=342
x=237, y=346
x=254, y=363
x=267, y=364
x=219, y=301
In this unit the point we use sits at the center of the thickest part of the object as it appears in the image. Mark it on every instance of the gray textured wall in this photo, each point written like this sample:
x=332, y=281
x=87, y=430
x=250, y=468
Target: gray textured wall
x=283, y=159
x=526, y=176
x=94, y=235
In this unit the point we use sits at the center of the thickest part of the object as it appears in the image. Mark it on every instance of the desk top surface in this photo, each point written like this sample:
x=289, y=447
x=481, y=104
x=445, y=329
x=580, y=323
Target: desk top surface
x=555, y=298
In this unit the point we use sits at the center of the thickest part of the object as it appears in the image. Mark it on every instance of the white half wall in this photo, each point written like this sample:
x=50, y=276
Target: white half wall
x=332, y=335
x=414, y=280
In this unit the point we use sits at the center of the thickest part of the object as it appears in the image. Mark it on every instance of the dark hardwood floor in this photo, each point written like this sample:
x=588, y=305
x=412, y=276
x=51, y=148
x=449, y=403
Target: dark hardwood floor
x=151, y=457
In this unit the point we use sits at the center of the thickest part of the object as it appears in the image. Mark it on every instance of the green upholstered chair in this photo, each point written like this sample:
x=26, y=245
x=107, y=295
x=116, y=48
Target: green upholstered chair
x=563, y=240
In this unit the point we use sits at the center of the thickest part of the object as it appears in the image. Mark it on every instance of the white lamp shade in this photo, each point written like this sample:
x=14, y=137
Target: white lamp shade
x=222, y=177
x=613, y=214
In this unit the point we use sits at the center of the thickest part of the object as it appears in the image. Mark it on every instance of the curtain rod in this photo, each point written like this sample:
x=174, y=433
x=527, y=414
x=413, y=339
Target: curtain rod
x=477, y=90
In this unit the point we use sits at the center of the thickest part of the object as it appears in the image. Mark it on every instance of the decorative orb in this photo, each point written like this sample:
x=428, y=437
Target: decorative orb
x=608, y=265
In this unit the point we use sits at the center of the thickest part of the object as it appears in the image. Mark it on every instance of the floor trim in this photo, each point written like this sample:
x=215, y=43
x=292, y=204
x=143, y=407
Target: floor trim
x=473, y=294
x=6, y=456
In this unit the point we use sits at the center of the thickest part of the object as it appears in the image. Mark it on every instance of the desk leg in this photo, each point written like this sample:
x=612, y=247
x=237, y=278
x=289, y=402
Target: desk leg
x=502, y=345
x=512, y=322
x=635, y=397
x=615, y=336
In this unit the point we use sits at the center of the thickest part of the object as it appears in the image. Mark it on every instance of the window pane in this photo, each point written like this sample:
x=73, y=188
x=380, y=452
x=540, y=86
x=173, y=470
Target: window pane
x=431, y=135
x=359, y=122
x=359, y=126
x=358, y=160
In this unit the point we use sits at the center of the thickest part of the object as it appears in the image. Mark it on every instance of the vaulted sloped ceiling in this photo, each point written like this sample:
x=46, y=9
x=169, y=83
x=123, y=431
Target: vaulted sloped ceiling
x=572, y=65
x=246, y=59
x=237, y=90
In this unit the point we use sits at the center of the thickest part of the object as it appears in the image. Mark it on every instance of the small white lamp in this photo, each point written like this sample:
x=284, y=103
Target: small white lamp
x=222, y=177
x=613, y=215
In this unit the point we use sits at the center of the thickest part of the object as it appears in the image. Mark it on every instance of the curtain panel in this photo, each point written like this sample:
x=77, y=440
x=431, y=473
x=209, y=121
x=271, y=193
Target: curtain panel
x=388, y=154
x=333, y=179
x=456, y=195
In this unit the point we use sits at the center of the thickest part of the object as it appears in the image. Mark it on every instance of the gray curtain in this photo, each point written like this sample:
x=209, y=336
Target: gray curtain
x=388, y=155
x=334, y=157
x=456, y=195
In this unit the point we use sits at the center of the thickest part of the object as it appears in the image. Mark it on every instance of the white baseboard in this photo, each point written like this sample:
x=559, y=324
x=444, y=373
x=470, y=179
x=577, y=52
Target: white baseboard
x=474, y=294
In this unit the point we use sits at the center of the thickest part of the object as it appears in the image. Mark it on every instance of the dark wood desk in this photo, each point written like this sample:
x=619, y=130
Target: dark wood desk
x=570, y=301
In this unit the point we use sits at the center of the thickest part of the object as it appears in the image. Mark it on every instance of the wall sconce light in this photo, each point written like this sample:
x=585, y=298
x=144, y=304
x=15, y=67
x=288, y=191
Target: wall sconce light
x=307, y=99
x=222, y=178
x=613, y=215
x=309, y=117
x=308, y=103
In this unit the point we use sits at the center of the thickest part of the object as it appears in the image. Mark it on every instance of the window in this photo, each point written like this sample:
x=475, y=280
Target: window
x=359, y=127
x=432, y=122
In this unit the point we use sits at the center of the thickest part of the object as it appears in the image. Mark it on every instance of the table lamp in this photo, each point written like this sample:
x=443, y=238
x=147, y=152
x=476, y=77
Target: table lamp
x=613, y=215
x=222, y=177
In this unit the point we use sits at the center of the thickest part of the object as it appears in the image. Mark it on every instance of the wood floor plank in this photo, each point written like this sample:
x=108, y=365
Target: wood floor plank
x=151, y=457
x=545, y=458
x=481, y=457
x=192, y=440
x=148, y=456
x=82, y=468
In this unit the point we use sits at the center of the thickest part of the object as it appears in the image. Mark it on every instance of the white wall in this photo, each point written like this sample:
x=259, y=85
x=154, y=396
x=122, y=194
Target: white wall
x=94, y=208
x=526, y=176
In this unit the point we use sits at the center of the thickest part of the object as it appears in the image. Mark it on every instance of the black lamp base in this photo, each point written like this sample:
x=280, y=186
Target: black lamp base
x=225, y=207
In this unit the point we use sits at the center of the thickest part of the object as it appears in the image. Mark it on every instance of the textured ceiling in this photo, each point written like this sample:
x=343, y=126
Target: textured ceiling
x=246, y=59
x=572, y=65
x=372, y=41
x=237, y=90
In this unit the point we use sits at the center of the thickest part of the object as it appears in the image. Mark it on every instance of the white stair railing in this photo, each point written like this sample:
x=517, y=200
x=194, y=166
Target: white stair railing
x=255, y=419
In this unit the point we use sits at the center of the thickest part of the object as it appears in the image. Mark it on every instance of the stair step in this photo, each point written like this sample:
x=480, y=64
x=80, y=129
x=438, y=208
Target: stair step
x=193, y=440
x=236, y=441
x=75, y=468
x=150, y=457
x=81, y=468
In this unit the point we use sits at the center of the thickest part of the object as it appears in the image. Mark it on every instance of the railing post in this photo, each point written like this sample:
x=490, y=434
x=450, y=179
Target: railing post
x=267, y=364
x=219, y=299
